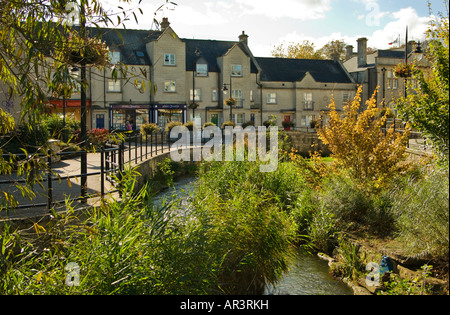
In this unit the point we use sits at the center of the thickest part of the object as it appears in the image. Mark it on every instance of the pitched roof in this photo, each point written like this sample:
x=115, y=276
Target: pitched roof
x=210, y=50
x=294, y=70
x=129, y=42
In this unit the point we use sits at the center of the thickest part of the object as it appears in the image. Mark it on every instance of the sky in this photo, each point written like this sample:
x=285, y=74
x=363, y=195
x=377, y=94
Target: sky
x=271, y=22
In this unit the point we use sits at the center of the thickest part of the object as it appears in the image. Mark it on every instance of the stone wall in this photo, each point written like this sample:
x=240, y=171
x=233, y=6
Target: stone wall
x=306, y=142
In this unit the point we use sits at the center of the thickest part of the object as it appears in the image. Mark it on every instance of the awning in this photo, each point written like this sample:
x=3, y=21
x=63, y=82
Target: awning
x=69, y=103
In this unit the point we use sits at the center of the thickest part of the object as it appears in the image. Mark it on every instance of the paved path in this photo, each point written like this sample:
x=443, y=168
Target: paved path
x=65, y=188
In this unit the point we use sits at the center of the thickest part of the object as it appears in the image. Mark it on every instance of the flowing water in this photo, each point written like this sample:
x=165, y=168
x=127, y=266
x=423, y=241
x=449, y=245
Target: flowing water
x=307, y=275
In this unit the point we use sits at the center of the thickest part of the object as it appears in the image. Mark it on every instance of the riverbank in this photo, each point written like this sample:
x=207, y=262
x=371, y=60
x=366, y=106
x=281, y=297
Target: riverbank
x=407, y=275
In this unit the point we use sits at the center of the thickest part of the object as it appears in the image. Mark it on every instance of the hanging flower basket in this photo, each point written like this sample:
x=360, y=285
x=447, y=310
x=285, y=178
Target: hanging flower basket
x=193, y=105
x=403, y=70
x=230, y=101
x=84, y=51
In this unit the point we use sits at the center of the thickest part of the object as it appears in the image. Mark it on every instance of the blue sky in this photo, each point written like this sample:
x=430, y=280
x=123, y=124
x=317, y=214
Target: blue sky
x=271, y=22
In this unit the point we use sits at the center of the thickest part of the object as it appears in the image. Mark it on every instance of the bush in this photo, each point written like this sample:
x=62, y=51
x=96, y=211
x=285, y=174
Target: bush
x=147, y=129
x=189, y=125
x=172, y=124
x=228, y=123
x=208, y=124
x=98, y=136
x=55, y=125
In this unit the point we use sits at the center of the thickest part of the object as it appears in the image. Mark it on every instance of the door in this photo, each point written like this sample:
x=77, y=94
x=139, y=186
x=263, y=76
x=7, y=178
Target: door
x=100, y=121
x=215, y=119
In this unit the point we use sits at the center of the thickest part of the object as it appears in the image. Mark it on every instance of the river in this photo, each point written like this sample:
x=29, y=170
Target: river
x=307, y=275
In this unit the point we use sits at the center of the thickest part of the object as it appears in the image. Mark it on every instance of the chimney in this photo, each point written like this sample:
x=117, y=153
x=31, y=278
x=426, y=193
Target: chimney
x=349, y=52
x=362, y=52
x=243, y=38
x=165, y=24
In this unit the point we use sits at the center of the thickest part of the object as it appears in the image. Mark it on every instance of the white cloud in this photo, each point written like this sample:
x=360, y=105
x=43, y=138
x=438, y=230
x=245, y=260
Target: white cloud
x=296, y=9
x=417, y=27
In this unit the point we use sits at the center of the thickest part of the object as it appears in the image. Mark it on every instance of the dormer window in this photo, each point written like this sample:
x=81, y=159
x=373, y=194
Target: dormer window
x=236, y=70
x=169, y=60
x=115, y=57
x=202, y=70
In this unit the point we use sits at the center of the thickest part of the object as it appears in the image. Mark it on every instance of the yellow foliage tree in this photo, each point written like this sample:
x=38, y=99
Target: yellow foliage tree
x=360, y=143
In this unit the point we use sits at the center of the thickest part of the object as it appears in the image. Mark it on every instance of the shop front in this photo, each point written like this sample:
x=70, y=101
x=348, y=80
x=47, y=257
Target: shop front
x=128, y=117
x=165, y=113
x=70, y=109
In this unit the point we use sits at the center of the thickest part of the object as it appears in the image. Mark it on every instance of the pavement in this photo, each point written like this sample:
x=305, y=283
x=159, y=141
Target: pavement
x=66, y=188
x=63, y=189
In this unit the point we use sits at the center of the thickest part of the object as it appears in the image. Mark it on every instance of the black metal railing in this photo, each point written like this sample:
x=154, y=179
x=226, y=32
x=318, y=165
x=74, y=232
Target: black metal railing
x=114, y=155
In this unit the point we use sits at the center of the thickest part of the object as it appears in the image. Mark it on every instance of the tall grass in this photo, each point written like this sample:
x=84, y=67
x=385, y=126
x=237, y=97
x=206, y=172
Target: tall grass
x=421, y=205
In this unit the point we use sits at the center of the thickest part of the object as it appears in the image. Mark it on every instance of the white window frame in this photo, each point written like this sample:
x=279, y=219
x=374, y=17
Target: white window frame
x=236, y=70
x=202, y=69
x=114, y=86
x=239, y=119
x=170, y=86
x=308, y=101
x=272, y=98
x=215, y=95
x=198, y=95
x=170, y=59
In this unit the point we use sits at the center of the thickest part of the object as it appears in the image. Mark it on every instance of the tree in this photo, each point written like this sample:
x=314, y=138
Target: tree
x=359, y=144
x=428, y=108
x=335, y=47
x=305, y=50
x=34, y=39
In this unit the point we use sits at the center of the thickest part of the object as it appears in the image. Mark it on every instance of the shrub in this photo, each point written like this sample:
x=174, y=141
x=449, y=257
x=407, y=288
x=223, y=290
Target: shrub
x=147, y=129
x=359, y=145
x=228, y=123
x=98, y=136
x=172, y=124
x=189, y=125
x=207, y=124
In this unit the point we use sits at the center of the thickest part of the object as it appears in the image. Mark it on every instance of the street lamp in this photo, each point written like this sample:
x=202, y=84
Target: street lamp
x=197, y=53
x=225, y=91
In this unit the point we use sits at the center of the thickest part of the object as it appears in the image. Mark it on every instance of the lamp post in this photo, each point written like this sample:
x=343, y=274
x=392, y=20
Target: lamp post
x=197, y=53
x=83, y=107
x=225, y=91
x=384, y=85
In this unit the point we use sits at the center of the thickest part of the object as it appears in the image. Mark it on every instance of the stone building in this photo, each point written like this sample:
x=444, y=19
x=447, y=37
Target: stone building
x=162, y=76
x=376, y=70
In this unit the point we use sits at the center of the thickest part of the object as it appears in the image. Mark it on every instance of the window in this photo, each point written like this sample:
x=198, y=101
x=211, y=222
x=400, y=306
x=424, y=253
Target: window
x=202, y=70
x=271, y=98
x=236, y=70
x=170, y=86
x=114, y=86
x=239, y=118
x=215, y=95
x=392, y=82
x=115, y=57
x=252, y=98
x=237, y=94
x=198, y=95
x=169, y=60
x=308, y=101
x=307, y=120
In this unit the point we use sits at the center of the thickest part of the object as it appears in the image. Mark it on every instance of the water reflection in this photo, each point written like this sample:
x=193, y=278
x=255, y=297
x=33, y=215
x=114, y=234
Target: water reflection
x=309, y=275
